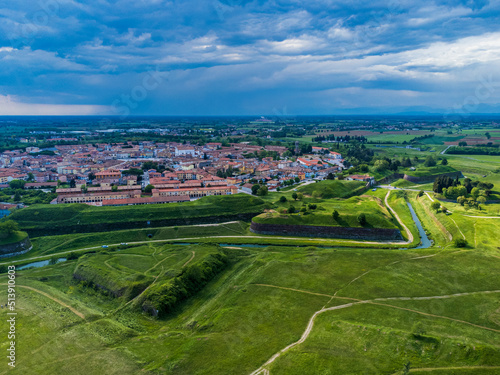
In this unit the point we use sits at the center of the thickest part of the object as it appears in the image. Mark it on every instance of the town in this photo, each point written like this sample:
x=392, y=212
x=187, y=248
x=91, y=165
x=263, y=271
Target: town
x=153, y=172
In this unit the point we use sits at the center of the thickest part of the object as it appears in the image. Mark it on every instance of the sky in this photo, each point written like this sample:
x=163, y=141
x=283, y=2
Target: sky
x=236, y=57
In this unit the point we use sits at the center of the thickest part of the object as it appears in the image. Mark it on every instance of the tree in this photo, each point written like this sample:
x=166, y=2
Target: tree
x=444, y=161
x=381, y=165
x=475, y=192
x=461, y=200
x=263, y=190
x=488, y=135
x=291, y=209
x=335, y=215
x=294, y=196
x=283, y=199
x=17, y=196
x=362, y=218
x=429, y=161
x=255, y=188
x=31, y=177
x=9, y=227
x=481, y=199
x=91, y=176
x=462, y=144
x=435, y=205
x=17, y=184
x=330, y=176
x=149, y=188
x=300, y=196
x=72, y=183
x=420, y=193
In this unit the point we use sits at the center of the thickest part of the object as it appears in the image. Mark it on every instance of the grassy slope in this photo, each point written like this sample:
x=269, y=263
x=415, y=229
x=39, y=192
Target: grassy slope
x=349, y=209
x=14, y=237
x=235, y=325
x=39, y=216
x=331, y=188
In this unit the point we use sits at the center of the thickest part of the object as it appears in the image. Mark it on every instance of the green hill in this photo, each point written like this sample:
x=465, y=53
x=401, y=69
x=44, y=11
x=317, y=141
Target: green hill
x=331, y=189
x=67, y=218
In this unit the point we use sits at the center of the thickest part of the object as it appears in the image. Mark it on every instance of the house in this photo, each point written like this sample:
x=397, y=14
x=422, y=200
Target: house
x=319, y=150
x=247, y=188
x=185, y=151
x=364, y=178
x=309, y=163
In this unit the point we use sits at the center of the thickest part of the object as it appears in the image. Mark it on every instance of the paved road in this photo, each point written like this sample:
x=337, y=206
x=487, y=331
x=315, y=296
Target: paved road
x=444, y=151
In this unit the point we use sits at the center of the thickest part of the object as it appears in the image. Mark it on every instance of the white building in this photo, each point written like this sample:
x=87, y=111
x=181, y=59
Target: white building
x=185, y=151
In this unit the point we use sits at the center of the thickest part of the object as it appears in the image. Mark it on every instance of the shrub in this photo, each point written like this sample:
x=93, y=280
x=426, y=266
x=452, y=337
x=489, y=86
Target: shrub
x=335, y=215
x=460, y=242
x=430, y=161
x=163, y=298
x=435, y=205
x=73, y=256
x=282, y=199
x=362, y=218
x=420, y=193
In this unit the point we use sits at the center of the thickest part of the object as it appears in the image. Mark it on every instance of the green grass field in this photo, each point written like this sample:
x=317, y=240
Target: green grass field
x=261, y=304
x=349, y=210
x=71, y=217
x=375, y=307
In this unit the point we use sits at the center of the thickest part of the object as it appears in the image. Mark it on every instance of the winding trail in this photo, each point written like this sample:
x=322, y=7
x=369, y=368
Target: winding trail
x=440, y=225
x=483, y=217
x=72, y=309
x=173, y=240
x=463, y=235
x=157, y=264
x=310, y=325
x=190, y=259
x=262, y=370
x=430, y=369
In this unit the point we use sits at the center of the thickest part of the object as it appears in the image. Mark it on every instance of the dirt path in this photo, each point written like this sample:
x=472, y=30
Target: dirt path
x=140, y=294
x=73, y=310
x=408, y=232
x=294, y=290
x=430, y=369
x=263, y=369
x=157, y=264
x=440, y=225
x=463, y=235
x=435, y=297
x=483, y=217
x=190, y=259
x=173, y=240
x=310, y=325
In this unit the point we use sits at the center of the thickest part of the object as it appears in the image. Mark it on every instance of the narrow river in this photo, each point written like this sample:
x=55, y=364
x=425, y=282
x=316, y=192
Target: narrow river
x=421, y=232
